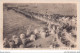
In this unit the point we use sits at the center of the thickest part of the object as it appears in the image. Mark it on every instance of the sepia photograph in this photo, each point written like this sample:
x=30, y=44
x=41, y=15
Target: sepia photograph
x=40, y=25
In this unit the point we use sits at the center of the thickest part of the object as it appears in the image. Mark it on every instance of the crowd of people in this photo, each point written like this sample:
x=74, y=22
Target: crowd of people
x=65, y=33
x=24, y=39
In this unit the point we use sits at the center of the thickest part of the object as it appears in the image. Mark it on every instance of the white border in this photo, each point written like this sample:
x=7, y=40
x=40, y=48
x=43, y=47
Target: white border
x=37, y=1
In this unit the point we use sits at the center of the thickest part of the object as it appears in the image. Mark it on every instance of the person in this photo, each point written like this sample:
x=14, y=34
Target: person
x=39, y=46
x=5, y=40
x=28, y=33
x=14, y=36
x=73, y=46
x=17, y=42
x=49, y=26
x=24, y=41
x=36, y=31
x=43, y=34
x=22, y=36
x=32, y=37
x=57, y=30
x=73, y=32
x=51, y=46
x=52, y=32
x=21, y=46
x=5, y=43
x=12, y=44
